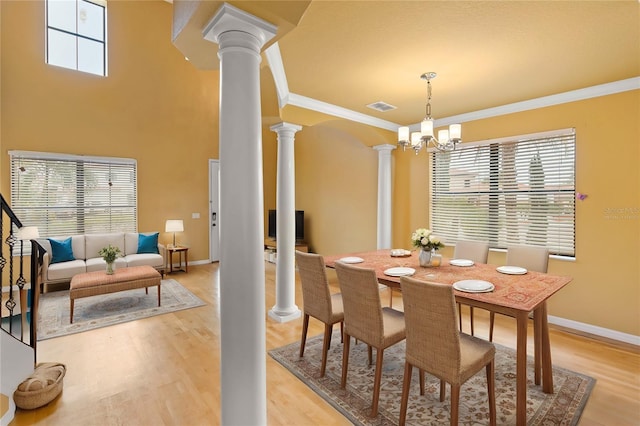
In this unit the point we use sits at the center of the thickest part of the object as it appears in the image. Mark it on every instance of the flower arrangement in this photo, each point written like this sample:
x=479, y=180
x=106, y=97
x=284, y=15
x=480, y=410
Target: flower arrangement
x=425, y=240
x=109, y=253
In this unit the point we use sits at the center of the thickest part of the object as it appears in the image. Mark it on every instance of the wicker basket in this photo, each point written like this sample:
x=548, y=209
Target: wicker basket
x=41, y=387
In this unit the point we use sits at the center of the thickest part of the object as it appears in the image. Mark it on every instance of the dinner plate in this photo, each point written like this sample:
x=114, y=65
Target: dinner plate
x=511, y=270
x=461, y=262
x=473, y=286
x=400, y=253
x=352, y=259
x=399, y=271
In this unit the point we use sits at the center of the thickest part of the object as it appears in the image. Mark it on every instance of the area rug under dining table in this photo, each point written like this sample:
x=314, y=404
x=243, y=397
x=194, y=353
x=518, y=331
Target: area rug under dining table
x=109, y=309
x=563, y=407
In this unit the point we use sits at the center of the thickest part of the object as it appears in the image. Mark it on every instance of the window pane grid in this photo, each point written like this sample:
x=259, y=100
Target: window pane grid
x=514, y=192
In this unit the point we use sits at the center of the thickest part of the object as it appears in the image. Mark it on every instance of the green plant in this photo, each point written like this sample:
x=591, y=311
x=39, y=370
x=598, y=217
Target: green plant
x=109, y=253
x=424, y=239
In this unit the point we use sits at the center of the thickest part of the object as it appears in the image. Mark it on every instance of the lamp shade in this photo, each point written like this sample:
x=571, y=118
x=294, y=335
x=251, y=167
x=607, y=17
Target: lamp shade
x=174, y=225
x=28, y=233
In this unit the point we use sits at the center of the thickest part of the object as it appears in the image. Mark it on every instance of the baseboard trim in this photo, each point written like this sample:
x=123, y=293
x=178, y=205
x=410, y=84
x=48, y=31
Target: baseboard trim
x=595, y=330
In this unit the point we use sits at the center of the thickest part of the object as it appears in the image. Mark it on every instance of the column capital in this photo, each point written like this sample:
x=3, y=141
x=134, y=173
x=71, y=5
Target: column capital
x=285, y=126
x=385, y=147
x=230, y=18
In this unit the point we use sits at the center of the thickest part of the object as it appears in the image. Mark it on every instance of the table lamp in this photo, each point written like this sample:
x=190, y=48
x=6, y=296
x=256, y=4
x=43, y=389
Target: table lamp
x=28, y=233
x=174, y=225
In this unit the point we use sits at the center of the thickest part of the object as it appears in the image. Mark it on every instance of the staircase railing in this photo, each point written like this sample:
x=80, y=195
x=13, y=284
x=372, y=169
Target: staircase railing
x=19, y=296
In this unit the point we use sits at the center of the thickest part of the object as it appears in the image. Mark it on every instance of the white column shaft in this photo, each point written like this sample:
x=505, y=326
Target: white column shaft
x=285, y=308
x=384, y=195
x=242, y=298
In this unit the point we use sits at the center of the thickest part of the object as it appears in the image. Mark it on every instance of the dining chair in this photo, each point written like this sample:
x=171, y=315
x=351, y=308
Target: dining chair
x=435, y=346
x=317, y=301
x=532, y=258
x=365, y=319
x=478, y=251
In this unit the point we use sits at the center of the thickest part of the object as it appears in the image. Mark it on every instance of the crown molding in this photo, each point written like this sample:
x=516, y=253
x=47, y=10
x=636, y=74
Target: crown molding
x=287, y=98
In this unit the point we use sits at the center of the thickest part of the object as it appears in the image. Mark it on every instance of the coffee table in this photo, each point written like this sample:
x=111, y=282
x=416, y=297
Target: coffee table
x=98, y=282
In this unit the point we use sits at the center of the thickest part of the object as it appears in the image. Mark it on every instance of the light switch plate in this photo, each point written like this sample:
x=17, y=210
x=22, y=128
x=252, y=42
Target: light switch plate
x=195, y=215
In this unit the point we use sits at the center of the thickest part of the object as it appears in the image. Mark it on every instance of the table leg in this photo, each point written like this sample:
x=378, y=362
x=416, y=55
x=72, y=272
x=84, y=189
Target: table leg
x=547, y=373
x=537, y=345
x=521, y=368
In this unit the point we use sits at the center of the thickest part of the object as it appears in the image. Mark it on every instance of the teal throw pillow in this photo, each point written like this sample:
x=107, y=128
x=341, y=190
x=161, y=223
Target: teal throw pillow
x=148, y=243
x=61, y=250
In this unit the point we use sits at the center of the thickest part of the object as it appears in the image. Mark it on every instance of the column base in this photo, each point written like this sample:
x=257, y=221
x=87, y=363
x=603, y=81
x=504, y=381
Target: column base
x=285, y=316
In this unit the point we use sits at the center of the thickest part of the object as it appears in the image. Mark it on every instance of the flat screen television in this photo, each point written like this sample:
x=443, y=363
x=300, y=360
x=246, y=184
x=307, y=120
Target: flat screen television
x=299, y=225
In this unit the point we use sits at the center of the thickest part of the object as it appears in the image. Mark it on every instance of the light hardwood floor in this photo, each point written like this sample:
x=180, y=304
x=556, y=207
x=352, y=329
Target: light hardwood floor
x=164, y=370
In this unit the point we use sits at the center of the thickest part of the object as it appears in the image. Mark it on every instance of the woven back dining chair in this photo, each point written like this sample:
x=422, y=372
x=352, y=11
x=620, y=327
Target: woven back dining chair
x=366, y=320
x=318, y=302
x=531, y=258
x=478, y=251
x=434, y=345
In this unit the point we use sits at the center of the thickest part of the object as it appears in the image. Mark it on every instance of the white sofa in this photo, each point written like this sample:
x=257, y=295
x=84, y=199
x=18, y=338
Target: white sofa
x=85, y=251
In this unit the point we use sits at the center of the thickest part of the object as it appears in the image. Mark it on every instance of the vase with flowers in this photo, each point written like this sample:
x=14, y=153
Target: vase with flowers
x=109, y=255
x=428, y=244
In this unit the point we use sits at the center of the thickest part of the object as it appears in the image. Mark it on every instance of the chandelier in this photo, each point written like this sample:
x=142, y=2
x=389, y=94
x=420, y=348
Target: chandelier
x=447, y=138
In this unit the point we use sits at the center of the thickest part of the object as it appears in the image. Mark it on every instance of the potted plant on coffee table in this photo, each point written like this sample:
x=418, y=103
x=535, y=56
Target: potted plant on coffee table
x=109, y=255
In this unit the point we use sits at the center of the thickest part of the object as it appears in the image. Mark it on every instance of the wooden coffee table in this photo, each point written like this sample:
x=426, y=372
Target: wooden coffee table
x=95, y=283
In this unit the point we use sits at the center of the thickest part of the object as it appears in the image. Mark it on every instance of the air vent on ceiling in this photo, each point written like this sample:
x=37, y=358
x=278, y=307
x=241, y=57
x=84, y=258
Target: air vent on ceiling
x=381, y=106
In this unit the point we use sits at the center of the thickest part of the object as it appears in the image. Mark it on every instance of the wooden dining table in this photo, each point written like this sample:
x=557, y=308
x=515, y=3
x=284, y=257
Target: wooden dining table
x=513, y=295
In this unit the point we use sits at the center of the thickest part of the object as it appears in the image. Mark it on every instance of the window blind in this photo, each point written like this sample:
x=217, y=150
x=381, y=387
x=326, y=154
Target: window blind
x=68, y=195
x=518, y=190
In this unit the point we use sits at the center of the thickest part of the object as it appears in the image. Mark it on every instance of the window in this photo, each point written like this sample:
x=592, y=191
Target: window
x=68, y=195
x=76, y=35
x=518, y=190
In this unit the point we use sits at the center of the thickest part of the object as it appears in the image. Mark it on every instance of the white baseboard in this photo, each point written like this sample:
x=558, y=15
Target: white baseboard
x=595, y=330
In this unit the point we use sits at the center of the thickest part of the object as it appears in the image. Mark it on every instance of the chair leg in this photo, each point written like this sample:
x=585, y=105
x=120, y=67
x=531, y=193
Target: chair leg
x=325, y=347
x=303, y=340
x=370, y=354
x=492, y=318
x=390, y=297
x=491, y=390
x=421, y=376
x=455, y=400
x=345, y=360
x=376, y=382
x=443, y=390
x=406, y=384
x=341, y=331
x=460, y=315
x=471, y=318
x=330, y=334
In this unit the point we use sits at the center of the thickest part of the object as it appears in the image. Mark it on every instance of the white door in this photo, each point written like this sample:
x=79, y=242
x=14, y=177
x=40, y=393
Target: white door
x=214, y=210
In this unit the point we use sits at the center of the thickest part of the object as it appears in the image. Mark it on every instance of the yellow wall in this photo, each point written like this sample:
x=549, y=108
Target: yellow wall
x=154, y=107
x=157, y=108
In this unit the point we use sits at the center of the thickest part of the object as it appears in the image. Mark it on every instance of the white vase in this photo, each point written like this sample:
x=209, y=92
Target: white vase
x=425, y=257
x=111, y=267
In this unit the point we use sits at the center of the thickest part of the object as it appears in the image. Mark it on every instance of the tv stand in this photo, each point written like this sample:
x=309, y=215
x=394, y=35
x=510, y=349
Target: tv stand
x=270, y=244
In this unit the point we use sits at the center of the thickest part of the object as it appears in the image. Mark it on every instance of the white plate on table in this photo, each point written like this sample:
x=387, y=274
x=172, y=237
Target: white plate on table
x=400, y=272
x=351, y=259
x=461, y=262
x=511, y=270
x=473, y=286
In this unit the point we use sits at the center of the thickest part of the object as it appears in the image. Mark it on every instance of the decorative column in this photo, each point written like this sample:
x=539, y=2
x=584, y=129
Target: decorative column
x=384, y=195
x=285, y=308
x=240, y=37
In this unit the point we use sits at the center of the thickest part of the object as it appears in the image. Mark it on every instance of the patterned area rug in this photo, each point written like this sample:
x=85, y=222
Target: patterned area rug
x=564, y=407
x=109, y=309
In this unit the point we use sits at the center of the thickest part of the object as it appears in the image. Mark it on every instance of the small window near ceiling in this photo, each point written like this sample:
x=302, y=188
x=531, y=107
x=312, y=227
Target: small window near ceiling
x=517, y=190
x=76, y=35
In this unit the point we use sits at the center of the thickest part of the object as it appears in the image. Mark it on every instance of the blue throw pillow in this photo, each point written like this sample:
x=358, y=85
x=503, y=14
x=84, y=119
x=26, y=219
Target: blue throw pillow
x=148, y=243
x=61, y=250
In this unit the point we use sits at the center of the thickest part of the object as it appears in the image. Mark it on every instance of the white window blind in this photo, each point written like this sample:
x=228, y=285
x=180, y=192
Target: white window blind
x=518, y=190
x=68, y=195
